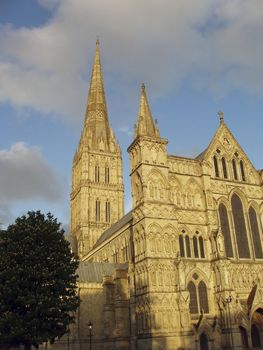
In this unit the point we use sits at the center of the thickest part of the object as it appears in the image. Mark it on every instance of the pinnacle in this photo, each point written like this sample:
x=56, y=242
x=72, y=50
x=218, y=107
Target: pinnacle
x=96, y=119
x=145, y=123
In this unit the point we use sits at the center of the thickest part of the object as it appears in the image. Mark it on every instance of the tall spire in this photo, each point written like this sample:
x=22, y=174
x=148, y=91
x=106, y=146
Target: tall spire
x=145, y=124
x=97, y=127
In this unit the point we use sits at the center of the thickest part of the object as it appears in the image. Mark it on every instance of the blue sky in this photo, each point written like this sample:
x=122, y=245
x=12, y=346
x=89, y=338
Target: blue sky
x=196, y=58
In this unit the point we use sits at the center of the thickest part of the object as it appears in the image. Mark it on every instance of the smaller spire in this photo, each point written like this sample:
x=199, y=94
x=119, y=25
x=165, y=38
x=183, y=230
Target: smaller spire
x=220, y=114
x=145, y=125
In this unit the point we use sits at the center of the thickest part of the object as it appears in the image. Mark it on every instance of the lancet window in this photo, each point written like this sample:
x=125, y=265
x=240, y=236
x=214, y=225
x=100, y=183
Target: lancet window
x=107, y=211
x=195, y=244
x=234, y=166
x=188, y=247
x=224, y=222
x=224, y=167
x=240, y=227
x=198, y=296
x=193, y=305
x=242, y=170
x=97, y=173
x=107, y=175
x=97, y=209
x=255, y=233
x=181, y=246
x=216, y=166
x=201, y=246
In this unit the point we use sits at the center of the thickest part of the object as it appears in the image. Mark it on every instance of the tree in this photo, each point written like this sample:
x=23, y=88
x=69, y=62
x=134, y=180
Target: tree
x=38, y=293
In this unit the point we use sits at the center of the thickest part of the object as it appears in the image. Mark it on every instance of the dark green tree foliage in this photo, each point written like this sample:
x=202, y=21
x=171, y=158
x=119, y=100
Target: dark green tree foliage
x=38, y=291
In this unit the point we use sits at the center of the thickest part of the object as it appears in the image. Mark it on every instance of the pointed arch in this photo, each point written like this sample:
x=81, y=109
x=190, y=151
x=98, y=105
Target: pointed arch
x=181, y=246
x=224, y=167
x=169, y=229
x=155, y=228
x=197, y=270
x=137, y=186
x=201, y=247
x=157, y=184
x=193, y=298
x=194, y=194
x=225, y=227
x=234, y=167
x=195, y=245
x=175, y=190
x=254, y=225
x=242, y=170
x=203, y=297
x=187, y=246
x=240, y=227
x=216, y=168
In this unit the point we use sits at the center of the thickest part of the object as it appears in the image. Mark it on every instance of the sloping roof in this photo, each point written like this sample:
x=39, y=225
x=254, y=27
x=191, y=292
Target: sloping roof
x=201, y=155
x=115, y=227
x=94, y=271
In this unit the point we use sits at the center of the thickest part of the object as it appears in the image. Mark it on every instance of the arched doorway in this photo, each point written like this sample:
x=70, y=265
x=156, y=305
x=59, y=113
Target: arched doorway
x=255, y=337
x=244, y=337
x=257, y=329
x=203, y=341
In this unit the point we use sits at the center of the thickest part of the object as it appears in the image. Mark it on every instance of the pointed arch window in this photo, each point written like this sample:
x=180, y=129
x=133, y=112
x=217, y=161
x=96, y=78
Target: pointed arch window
x=195, y=244
x=225, y=230
x=107, y=175
x=234, y=166
x=216, y=166
x=240, y=227
x=242, y=170
x=107, y=211
x=97, y=210
x=97, y=173
x=203, y=298
x=201, y=246
x=255, y=233
x=181, y=246
x=198, y=296
x=188, y=248
x=193, y=298
x=224, y=168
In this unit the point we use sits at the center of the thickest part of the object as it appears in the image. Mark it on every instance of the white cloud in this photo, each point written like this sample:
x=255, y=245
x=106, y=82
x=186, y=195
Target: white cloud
x=25, y=175
x=126, y=130
x=215, y=44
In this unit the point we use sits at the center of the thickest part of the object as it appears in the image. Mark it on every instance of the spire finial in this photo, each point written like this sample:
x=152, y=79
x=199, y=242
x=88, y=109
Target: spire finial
x=145, y=123
x=220, y=114
x=98, y=40
x=96, y=112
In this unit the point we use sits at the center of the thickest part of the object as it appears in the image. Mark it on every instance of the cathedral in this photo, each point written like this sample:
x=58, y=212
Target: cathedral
x=184, y=268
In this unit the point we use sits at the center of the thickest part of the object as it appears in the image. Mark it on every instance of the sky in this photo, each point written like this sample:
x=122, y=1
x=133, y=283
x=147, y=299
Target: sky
x=195, y=58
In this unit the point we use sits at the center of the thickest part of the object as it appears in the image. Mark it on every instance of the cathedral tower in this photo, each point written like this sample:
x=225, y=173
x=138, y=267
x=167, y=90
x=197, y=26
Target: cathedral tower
x=148, y=158
x=97, y=197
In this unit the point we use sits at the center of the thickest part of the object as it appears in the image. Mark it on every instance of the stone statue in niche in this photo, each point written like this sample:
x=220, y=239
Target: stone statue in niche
x=220, y=244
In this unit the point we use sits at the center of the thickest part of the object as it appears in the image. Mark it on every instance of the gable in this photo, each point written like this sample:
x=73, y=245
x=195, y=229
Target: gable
x=224, y=145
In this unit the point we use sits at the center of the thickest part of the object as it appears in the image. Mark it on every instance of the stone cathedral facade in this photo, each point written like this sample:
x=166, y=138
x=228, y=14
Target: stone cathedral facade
x=184, y=268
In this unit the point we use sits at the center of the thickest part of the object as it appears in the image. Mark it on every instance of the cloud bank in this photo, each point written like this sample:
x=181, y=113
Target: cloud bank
x=25, y=175
x=214, y=44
